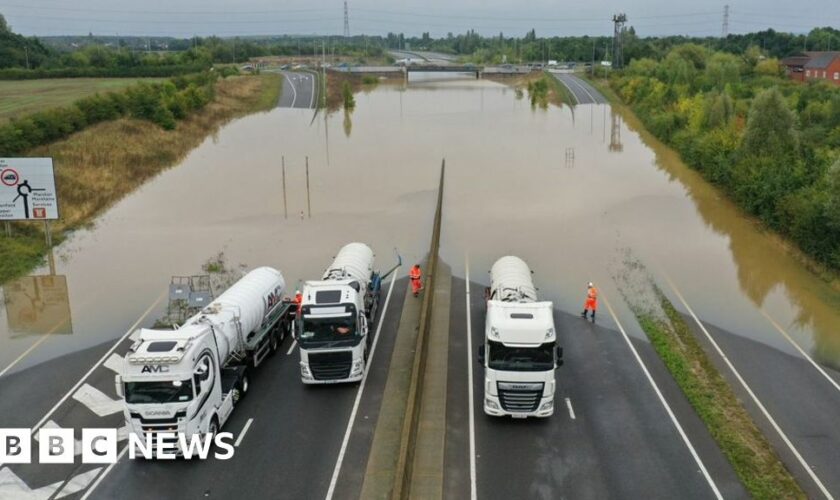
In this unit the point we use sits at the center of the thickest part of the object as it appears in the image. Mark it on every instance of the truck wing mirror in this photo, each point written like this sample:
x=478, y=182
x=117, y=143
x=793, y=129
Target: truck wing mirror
x=559, y=361
x=481, y=354
x=118, y=386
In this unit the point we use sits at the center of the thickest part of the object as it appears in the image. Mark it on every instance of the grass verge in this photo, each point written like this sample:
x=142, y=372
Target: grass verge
x=542, y=88
x=100, y=165
x=751, y=455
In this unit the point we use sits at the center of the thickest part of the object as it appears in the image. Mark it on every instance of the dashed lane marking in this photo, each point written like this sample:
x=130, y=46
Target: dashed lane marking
x=97, y=401
x=571, y=410
x=242, y=433
x=292, y=348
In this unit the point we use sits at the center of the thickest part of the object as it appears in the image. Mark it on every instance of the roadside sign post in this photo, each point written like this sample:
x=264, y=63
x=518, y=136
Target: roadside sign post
x=28, y=193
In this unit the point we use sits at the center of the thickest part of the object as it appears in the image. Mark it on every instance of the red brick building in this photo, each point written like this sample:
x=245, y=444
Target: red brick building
x=814, y=66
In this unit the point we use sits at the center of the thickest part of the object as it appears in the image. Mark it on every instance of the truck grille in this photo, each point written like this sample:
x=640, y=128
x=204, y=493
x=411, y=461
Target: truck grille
x=330, y=365
x=520, y=397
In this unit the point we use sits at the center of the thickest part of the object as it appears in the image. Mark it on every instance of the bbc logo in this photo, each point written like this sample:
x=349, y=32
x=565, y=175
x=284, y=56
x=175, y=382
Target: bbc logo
x=58, y=446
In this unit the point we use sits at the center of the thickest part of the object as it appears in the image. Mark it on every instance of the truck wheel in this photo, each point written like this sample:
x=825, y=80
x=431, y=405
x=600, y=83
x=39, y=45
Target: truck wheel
x=244, y=385
x=214, y=427
x=274, y=341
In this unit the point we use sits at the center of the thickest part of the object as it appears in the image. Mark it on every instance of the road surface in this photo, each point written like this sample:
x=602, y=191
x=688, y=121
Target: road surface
x=582, y=90
x=299, y=90
x=610, y=436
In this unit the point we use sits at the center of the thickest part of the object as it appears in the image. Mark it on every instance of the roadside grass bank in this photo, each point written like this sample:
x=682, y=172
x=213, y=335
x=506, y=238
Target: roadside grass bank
x=823, y=271
x=752, y=457
x=21, y=97
x=100, y=165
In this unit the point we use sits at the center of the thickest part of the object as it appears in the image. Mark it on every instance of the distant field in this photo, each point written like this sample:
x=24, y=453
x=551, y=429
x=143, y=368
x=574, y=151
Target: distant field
x=21, y=97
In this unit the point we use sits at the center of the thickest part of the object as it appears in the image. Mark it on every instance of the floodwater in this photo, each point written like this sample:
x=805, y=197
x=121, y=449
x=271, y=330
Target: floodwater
x=572, y=191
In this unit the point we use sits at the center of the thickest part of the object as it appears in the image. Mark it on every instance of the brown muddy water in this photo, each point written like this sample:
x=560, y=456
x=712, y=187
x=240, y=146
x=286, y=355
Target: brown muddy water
x=574, y=192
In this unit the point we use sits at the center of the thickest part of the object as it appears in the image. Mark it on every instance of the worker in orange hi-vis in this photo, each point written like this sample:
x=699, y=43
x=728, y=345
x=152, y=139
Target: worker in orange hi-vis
x=591, y=303
x=416, y=277
x=298, y=300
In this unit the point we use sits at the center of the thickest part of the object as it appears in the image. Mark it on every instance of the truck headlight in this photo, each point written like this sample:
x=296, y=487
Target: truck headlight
x=489, y=403
x=547, y=406
x=357, y=367
x=304, y=371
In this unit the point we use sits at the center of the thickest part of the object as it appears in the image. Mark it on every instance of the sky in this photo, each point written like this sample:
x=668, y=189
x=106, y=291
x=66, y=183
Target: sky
x=184, y=18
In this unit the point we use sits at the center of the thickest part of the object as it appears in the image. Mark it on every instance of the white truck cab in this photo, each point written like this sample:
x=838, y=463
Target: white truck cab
x=520, y=351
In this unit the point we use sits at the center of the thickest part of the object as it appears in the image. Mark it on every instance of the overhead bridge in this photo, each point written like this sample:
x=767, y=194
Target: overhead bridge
x=448, y=68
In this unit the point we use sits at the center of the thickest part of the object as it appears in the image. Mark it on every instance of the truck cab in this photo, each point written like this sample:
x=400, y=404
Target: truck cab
x=333, y=332
x=173, y=382
x=519, y=356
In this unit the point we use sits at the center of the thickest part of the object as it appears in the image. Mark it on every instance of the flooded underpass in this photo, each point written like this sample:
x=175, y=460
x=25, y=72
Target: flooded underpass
x=576, y=192
x=572, y=190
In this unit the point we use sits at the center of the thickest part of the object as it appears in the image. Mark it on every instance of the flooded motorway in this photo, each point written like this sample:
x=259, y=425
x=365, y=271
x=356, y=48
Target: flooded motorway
x=573, y=191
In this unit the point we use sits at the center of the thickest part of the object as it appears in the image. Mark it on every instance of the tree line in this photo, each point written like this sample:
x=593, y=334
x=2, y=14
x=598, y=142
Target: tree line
x=772, y=144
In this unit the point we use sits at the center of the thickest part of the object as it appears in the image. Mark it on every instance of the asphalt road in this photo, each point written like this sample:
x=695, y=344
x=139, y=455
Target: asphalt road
x=581, y=89
x=620, y=443
x=299, y=90
x=292, y=445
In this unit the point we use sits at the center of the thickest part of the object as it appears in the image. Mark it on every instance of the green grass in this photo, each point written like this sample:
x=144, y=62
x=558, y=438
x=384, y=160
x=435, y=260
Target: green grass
x=753, y=458
x=22, y=97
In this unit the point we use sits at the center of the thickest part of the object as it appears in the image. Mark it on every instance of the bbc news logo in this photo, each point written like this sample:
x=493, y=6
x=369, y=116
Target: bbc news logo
x=100, y=446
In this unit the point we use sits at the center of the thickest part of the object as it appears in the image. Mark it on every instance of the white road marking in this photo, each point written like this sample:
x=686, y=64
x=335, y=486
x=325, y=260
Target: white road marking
x=750, y=392
x=292, y=348
x=105, y=473
x=97, y=401
x=294, y=92
x=312, y=96
x=346, y=440
x=664, y=402
x=77, y=443
x=114, y=363
x=801, y=351
x=25, y=354
x=13, y=487
x=471, y=403
x=571, y=410
x=78, y=483
x=242, y=433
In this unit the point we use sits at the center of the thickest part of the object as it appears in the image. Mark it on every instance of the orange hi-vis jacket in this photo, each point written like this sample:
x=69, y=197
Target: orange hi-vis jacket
x=591, y=299
x=415, y=273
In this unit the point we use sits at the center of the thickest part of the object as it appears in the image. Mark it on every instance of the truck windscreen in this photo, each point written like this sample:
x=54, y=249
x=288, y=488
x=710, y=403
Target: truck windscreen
x=165, y=391
x=328, y=330
x=526, y=359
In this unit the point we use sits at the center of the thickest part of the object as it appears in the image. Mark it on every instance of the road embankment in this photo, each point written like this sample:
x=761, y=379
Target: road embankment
x=100, y=165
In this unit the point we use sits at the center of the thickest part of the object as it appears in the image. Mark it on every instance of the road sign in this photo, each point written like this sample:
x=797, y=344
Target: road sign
x=27, y=189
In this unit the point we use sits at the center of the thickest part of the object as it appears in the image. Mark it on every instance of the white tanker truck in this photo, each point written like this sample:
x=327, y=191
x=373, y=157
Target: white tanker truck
x=520, y=349
x=335, y=325
x=188, y=380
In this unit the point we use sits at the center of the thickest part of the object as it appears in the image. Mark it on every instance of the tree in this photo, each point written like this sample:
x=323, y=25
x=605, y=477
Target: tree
x=832, y=206
x=771, y=127
x=4, y=26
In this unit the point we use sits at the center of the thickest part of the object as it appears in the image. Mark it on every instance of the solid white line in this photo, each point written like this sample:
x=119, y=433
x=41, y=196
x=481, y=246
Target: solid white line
x=664, y=402
x=361, y=390
x=243, y=432
x=583, y=88
x=292, y=348
x=571, y=410
x=95, y=366
x=24, y=354
x=801, y=351
x=565, y=84
x=105, y=473
x=294, y=92
x=750, y=392
x=471, y=402
x=312, y=96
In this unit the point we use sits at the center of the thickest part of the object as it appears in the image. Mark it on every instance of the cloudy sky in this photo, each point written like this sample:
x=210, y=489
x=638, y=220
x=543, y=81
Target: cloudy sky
x=548, y=17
